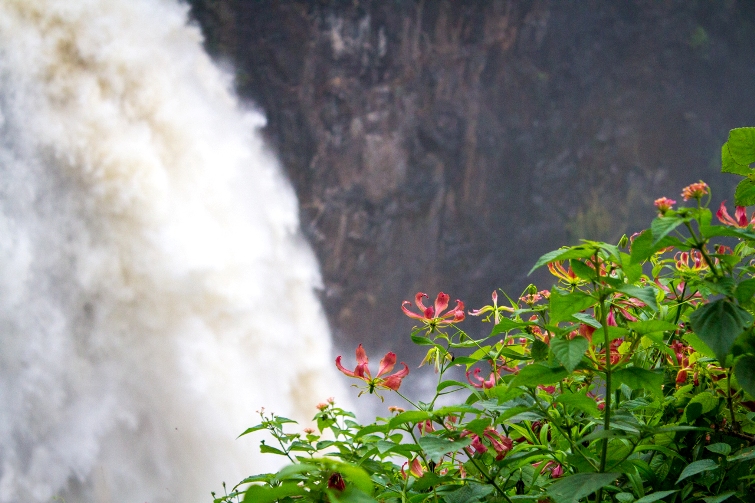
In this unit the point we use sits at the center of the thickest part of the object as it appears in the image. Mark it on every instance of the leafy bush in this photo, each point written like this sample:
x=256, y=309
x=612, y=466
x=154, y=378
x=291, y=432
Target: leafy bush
x=631, y=380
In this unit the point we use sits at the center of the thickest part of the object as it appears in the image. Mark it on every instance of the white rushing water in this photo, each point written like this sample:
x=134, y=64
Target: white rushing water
x=154, y=288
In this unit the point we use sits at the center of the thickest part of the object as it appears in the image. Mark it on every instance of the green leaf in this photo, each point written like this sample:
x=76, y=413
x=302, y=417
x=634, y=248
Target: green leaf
x=651, y=326
x=742, y=145
x=729, y=165
x=580, y=251
x=539, y=350
x=719, y=448
x=580, y=401
x=574, y=487
x=266, y=449
x=646, y=294
x=506, y=325
x=569, y=352
x=700, y=404
x=252, y=429
x=744, y=195
x=697, y=467
x=469, y=493
x=267, y=494
x=356, y=476
x=582, y=270
x=562, y=306
x=698, y=345
x=537, y=374
x=744, y=370
x=436, y=447
x=719, y=324
x=638, y=378
x=644, y=247
x=719, y=498
x=410, y=416
x=587, y=320
x=744, y=454
x=745, y=290
x=662, y=226
x=650, y=498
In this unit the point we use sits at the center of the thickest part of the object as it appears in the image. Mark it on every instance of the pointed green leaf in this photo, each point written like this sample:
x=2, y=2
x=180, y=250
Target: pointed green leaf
x=661, y=226
x=719, y=324
x=506, y=325
x=537, y=374
x=697, y=467
x=569, y=352
x=650, y=498
x=562, y=306
x=719, y=448
x=650, y=326
x=643, y=247
x=581, y=402
x=742, y=145
x=410, y=416
x=267, y=494
x=745, y=290
x=646, y=294
x=744, y=195
x=539, y=351
x=719, y=498
x=436, y=447
x=729, y=165
x=561, y=254
x=638, y=378
x=744, y=370
x=575, y=487
x=587, y=320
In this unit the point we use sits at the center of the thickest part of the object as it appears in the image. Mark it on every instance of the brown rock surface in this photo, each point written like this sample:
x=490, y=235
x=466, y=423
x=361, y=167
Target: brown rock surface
x=445, y=145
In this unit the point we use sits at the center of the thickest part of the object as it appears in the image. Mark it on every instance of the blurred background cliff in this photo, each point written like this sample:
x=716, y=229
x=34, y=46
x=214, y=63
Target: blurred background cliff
x=445, y=145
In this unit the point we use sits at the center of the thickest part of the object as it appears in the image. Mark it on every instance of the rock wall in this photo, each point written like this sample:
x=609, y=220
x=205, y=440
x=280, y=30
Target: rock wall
x=445, y=145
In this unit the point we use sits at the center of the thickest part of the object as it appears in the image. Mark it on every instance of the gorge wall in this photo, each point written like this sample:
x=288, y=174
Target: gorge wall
x=445, y=145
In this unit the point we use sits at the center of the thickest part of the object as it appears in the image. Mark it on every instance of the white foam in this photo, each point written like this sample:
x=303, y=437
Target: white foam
x=154, y=288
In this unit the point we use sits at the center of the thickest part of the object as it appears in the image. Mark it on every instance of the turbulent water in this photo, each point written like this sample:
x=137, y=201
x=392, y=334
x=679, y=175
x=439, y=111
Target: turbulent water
x=154, y=289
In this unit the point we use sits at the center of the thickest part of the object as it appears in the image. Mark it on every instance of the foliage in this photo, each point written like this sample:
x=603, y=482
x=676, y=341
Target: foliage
x=630, y=380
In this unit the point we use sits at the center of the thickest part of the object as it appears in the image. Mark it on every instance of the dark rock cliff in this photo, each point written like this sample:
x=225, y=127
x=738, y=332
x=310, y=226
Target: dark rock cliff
x=445, y=145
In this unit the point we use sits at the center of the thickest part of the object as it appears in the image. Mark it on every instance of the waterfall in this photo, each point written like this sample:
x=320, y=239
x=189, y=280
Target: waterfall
x=154, y=288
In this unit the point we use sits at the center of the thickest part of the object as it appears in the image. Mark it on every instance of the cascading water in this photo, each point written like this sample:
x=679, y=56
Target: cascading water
x=154, y=289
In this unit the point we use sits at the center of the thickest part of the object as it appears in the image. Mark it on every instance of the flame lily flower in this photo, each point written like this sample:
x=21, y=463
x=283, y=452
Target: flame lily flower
x=484, y=384
x=362, y=371
x=740, y=216
x=566, y=275
x=433, y=316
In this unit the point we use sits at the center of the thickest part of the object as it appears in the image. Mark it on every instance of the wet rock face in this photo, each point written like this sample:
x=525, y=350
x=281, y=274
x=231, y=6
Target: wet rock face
x=445, y=145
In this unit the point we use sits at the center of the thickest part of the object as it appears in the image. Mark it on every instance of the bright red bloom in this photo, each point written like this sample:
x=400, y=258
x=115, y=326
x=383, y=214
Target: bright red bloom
x=664, y=204
x=433, y=315
x=335, y=481
x=362, y=371
x=740, y=216
x=695, y=190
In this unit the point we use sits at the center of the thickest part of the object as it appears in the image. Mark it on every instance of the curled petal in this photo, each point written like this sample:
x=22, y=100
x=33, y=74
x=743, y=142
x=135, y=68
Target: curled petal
x=393, y=381
x=387, y=363
x=418, y=300
x=344, y=370
x=411, y=314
